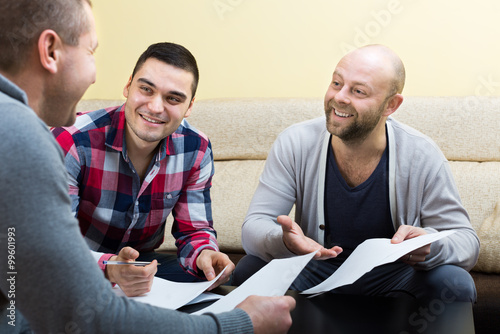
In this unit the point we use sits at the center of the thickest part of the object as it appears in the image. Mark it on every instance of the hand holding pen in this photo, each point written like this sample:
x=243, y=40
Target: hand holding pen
x=135, y=277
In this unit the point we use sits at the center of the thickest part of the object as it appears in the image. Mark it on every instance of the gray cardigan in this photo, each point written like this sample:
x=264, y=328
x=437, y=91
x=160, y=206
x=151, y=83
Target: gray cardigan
x=57, y=285
x=421, y=186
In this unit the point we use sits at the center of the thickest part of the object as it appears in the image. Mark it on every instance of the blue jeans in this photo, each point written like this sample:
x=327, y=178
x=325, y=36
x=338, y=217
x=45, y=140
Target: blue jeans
x=170, y=268
x=447, y=282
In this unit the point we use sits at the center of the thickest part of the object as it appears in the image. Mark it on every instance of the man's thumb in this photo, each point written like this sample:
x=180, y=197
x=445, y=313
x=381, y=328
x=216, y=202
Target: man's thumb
x=285, y=222
x=128, y=253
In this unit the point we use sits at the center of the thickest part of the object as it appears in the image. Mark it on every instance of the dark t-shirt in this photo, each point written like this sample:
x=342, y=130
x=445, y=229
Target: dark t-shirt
x=353, y=215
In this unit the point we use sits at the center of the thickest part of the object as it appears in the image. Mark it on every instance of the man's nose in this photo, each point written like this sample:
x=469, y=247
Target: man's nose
x=156, y=104
x=342, y=96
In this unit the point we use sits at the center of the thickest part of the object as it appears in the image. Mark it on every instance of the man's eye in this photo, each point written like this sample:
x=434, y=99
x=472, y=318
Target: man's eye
x=146, y=89
x=174, y=99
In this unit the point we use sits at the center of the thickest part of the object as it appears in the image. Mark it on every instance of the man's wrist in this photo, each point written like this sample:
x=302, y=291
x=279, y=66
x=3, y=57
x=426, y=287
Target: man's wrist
x=106, y=257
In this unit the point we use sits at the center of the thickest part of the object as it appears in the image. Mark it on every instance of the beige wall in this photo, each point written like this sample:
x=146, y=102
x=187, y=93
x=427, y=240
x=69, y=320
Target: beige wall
x=288, y=48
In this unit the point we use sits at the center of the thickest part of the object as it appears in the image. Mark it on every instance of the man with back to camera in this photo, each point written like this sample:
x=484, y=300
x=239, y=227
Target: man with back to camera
x=54, y=286
x=363, y=175
x=131, y=166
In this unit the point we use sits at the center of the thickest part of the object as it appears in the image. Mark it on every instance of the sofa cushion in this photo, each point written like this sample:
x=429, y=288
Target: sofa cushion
x=478, y=184
x=233, y=186
x=489, y=234
x=464, y=128
x=245, y=129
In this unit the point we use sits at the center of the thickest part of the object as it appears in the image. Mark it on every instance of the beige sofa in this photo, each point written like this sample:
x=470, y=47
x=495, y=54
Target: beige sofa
x=467, y=129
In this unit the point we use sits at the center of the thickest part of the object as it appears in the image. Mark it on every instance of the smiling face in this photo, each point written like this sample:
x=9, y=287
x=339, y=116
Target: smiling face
x=159, y=97
x=358, y=97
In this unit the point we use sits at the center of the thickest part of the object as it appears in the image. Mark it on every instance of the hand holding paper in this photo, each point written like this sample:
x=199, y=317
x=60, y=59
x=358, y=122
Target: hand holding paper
x=171, y=295
x=364, y=259
x=213, y=263
x=405, y=232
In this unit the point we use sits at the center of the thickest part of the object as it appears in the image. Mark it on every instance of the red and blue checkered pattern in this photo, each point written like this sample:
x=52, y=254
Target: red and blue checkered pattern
x=112, y=205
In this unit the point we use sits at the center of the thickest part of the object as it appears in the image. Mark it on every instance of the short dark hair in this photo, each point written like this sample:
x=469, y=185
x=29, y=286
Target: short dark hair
x=22, y=22
x=172, y=54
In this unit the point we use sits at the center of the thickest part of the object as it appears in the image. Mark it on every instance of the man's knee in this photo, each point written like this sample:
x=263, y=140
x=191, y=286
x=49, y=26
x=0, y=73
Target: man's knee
x=451, y=284
x=246, y=267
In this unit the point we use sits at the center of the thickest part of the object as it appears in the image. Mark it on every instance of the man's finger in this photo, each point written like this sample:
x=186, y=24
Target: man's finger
x=128, y=253
x=204, y=262
x=400, y=234
x=285, y=222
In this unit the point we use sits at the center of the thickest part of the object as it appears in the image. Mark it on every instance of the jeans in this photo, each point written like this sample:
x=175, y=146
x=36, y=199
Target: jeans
x=169, y=268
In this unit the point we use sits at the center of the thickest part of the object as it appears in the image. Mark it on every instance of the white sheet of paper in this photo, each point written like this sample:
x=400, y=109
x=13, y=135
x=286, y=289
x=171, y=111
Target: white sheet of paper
x=205, y=297
x=273, y=279
x=171, y=295
x=370, y=254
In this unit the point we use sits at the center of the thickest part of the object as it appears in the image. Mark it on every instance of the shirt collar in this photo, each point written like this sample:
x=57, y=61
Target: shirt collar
x=12, y=90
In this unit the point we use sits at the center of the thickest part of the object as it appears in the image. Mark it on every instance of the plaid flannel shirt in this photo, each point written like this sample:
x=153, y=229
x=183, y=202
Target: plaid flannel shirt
x=113, y=207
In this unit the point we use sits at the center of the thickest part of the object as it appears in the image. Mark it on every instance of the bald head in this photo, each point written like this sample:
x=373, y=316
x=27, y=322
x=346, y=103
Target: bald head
x=384, y=60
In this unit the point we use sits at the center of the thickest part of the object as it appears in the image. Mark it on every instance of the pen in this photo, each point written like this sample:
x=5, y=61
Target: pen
x=134, y=263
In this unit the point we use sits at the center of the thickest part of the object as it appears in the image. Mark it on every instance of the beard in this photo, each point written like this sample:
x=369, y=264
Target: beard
x=359, y=129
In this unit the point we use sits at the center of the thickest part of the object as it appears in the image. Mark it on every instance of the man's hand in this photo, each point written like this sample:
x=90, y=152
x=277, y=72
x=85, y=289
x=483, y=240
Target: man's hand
x=299, y=244
x=405, y=232
x=269, y=314
x=133, y=280
x=212, y=263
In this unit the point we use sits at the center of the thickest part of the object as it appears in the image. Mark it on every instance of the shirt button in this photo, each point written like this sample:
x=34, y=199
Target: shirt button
x=136, y=203
x=128, y=232
x=322, y=227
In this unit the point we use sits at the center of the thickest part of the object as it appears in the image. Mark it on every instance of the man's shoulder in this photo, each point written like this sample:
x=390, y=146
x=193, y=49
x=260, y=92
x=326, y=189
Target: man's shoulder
x=189, y=132
x=88, y=121
x=91, y=129
x=19, y=118
x=23, y=135
x=93, y=120
x=187, y=139
x=411, y=140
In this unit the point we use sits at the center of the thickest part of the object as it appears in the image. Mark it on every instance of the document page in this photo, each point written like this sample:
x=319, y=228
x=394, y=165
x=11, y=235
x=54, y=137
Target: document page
x=273, y=279
x=370, y=254
x=171, y=295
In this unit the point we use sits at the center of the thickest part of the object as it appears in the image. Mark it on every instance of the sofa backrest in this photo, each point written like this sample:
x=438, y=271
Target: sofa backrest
x=243, y=130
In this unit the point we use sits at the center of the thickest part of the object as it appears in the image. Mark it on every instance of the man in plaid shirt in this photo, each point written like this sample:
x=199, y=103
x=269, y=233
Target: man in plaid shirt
x=131, y=166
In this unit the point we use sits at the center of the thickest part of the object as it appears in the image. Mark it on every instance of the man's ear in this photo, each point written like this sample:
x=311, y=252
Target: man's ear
x=393, y=104
x=127, y=87
x=188, y=112
x=49, y=50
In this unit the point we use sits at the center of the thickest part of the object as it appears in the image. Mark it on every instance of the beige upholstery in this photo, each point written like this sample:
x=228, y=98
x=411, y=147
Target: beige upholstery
x=242, y=131
x=489, y=257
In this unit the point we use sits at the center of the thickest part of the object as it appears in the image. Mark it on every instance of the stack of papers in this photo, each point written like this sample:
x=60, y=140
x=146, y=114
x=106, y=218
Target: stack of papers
x=275, y=278
x=172, y=295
